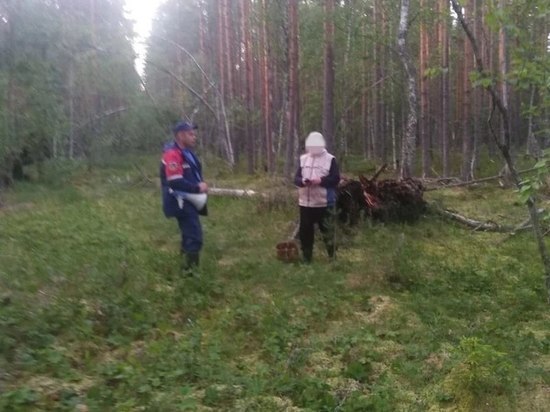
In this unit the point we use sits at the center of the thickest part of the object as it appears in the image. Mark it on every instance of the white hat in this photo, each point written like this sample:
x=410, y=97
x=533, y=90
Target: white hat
x=315, y=139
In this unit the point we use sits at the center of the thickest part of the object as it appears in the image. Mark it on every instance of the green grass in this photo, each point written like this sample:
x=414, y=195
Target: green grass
x=94, y=314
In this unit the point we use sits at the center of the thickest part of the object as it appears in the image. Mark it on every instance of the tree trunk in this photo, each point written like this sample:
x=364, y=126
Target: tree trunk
x=365, y=95
x=223, y=124
x=227, y=37
x=71, y=109
x=424, y=100
x=221, y=59
x=293, y=85
x=409, y=139
x=328, y=75
x=203, y=57
x=346, y=115
x=266, y=90
x=503, y=69
x=378, y=127
x=503, y=147
x=248, y=82
x=477, y=115
x=466, y=117
x=444, y=118
x=10, y=126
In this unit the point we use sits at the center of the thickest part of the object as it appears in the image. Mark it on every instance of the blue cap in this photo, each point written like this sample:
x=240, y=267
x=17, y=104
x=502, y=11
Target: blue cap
x=184, y=127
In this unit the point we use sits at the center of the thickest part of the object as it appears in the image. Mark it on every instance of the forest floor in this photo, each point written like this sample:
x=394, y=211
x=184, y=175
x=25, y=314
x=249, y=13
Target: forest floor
x=94, y=315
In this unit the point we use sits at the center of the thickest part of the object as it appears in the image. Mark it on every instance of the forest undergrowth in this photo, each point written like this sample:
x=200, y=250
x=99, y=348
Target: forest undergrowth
x=95, y=316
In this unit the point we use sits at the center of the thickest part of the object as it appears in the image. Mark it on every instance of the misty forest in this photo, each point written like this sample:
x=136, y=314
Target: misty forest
x=438, y=114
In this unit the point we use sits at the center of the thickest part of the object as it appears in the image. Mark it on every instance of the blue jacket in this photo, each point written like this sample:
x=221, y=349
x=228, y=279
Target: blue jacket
x=180, y=170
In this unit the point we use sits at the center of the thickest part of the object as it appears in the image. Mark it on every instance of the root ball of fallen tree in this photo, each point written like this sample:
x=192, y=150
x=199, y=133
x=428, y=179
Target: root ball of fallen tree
x=386, y=200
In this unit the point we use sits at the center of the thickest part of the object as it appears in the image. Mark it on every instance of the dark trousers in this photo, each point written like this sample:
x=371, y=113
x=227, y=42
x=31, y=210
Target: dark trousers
x=190, y=228
x=324, y=217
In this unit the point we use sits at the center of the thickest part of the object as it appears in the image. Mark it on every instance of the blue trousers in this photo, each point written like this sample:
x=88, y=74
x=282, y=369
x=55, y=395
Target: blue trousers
x=190, y=228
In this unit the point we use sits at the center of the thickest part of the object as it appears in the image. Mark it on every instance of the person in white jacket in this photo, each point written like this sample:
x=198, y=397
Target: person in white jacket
x=317, y=178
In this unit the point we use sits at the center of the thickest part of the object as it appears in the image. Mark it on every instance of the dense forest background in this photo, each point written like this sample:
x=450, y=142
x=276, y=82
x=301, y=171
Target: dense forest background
x=257, y=76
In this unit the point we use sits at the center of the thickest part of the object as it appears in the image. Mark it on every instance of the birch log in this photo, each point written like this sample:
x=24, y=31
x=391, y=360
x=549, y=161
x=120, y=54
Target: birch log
x=218, y=191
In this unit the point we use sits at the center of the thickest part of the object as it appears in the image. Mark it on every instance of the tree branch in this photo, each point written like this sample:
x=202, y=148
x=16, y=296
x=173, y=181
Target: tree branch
x=186, y=85
x=227, y=143
x=476, y=225
x=472, y=182
x=504, y=148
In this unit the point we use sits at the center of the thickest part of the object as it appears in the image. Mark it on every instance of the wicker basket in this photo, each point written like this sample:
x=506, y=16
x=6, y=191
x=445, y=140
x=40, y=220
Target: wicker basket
x=288, y=251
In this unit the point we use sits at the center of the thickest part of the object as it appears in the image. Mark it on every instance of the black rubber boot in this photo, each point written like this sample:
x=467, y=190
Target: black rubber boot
x=189, y=263
x=308, y=255
x=192, y=260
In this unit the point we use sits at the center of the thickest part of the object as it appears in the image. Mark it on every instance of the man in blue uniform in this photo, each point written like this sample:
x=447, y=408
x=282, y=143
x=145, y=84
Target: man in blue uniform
x=181, y=175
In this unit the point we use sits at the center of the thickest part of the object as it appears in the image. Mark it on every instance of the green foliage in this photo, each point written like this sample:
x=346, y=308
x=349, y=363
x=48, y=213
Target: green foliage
x=63, y=76
x=93, y=311
x=532, y=186
x=18, y=399
x=479, y=371
x=481, y=80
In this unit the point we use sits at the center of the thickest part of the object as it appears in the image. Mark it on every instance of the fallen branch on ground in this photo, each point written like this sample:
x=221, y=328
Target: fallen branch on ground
x=477, y=225
x=471, y=182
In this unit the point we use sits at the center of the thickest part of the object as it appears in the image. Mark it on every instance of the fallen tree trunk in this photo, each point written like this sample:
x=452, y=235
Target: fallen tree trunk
x=478, y=225
x=233, y=192
x=486, y=226
x=389, y=200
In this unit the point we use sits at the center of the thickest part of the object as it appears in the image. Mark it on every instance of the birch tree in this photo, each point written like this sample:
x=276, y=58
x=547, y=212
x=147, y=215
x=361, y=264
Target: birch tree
x=328, y=74
x=409, y=135
x=503, y=145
